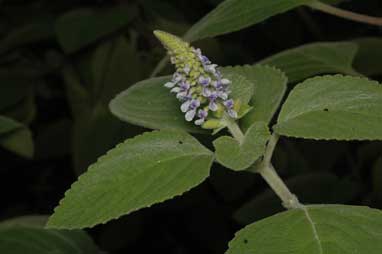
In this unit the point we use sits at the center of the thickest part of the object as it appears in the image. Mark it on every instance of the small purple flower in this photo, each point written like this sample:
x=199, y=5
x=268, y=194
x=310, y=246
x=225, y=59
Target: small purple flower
x=169, y=84
x=213, y=106
x=228, y=104
x=204, y=81
x=223, y=95
x=213, y=96
x=232, y=113
x=211, y=68
x=206, y=92
x=190, y=115
x=195, y=103
x=184, y=86
x=175, y=90
x=177, y=77
x=185, y=106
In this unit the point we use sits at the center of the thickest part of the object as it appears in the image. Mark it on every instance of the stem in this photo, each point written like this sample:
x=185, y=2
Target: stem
x=234, y=129
x=270, y=148
x=289, y=200
x=377, y=21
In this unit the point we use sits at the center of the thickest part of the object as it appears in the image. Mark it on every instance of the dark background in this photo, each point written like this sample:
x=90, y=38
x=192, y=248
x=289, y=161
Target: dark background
x=70, y=130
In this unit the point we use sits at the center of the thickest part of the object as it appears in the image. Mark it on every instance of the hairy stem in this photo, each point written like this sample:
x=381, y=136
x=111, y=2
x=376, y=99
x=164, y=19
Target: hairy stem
x=270, y=175
x=234, y=129
x=377, y=21
x=266, y=169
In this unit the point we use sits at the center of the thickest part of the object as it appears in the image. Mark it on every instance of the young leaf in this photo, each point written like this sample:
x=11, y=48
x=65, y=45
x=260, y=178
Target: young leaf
x=316, y=229
x=138, y=173
x=151, y=105
x=333, y=107
x=233, y=15
x=269, y=88
x=79, y=28
x=27, y=235
x=316, y=58
x=231, y=154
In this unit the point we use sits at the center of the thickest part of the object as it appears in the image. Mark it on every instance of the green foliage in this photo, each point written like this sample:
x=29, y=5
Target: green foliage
x=233, y=15
x=239, y=156
x=333, y=107
x=81, y=27
x=269, y=88
x=27, y=235
x=313, y=59
x=320, y=229
x=138, y=173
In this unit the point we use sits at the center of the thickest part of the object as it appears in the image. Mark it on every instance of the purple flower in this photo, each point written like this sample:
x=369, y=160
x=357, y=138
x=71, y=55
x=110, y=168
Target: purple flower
x=213, y=106
x=190, y=115
x=204, y=81
x=184, y=86
x=228, y=104
x=195, y=103
x=232, y=113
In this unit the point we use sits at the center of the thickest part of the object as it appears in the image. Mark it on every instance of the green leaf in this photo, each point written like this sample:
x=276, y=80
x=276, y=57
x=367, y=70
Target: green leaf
x=317, y=229
x=231, y=154
x=27, y=235
x=233, y=15
x=81, y=27
x=269, y=88
x=333, y=107
x=368, y=58
x=151, y=105
x=138, y=173
x=241, y=88
x=313, y=59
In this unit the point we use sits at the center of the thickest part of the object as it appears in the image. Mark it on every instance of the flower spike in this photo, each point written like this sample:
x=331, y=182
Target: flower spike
x=198, y=83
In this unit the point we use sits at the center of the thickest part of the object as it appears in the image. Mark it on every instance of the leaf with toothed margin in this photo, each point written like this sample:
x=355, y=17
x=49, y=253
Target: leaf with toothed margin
x=233, y=155
x=315, y=229
x=315, y=58
x=333, y=107
x=269, y=88
x=138, y=173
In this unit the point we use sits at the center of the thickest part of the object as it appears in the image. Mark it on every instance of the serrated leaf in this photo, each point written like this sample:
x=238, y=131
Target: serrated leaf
x=317, y=229
x=241, y=88
x=333, y=107
x=149, y=104
x=138, y=173
x=269, y=88
x=81, y=27
x=233, y=15
x=368, y=58
x=27, y=235
x=239, y=156
x=315, y=58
